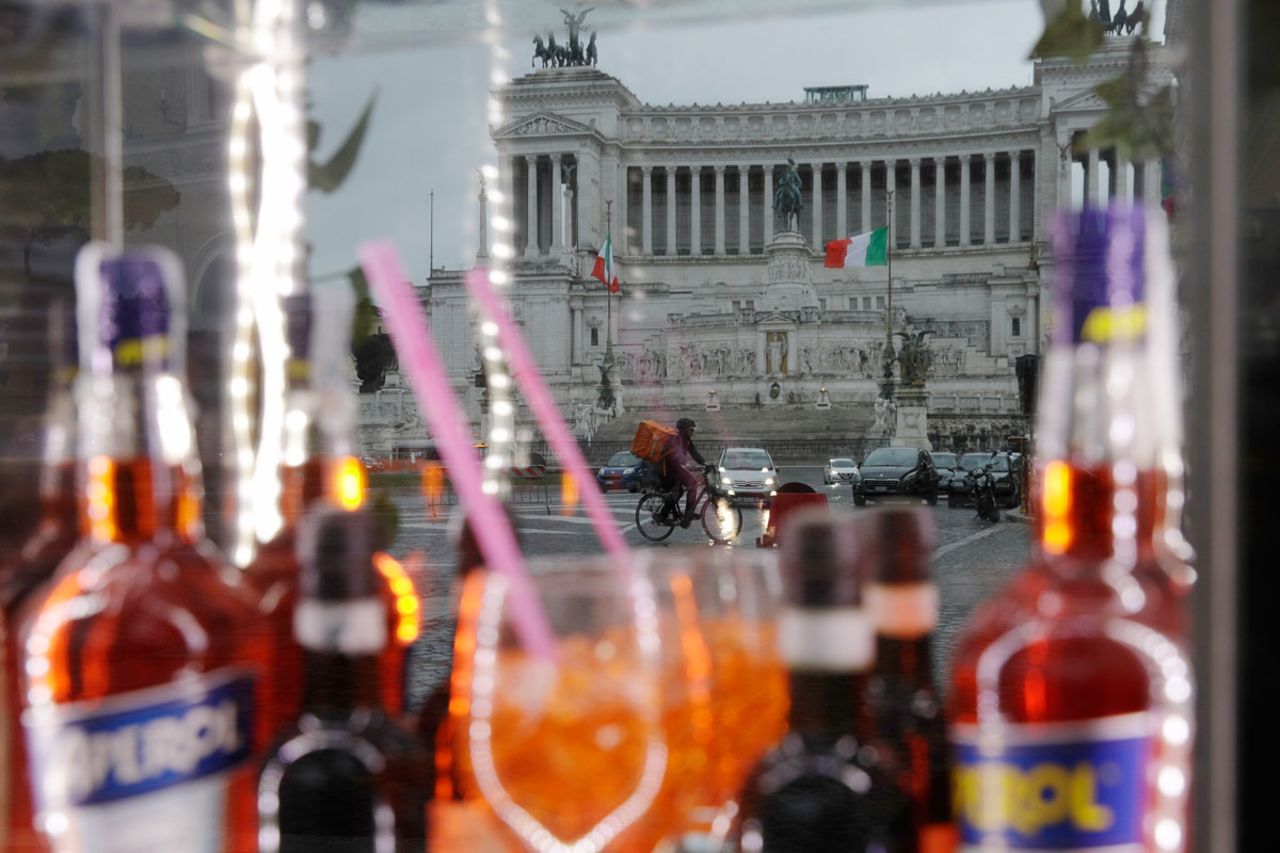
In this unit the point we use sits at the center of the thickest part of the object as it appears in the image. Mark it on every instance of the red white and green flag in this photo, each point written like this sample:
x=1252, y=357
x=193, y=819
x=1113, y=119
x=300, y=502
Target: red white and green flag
x=604, y=270
x=861, y=250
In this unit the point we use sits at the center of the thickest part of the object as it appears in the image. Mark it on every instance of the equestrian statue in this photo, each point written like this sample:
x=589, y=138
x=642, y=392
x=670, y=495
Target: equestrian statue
x=787, y=198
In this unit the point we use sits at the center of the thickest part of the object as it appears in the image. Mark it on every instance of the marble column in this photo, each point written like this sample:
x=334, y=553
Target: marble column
x=864, y=171
x=915, y=202
x=964, y=199
x=939, y=202
x=891, y=201
x=719, y=170
x=1015, y=197
x=646, y=209
x=507, y=205
x=767, y=207
x=1121, y=167
x=695, y=210
x=1094, y=192
x=577, y=336
x=671, y=210
x=842, y=202
x=557, y=204
x=532, y=244
x=1151, y=181
x=620, y=211
x=744, y=211
x=818, y=242
x=989, y=199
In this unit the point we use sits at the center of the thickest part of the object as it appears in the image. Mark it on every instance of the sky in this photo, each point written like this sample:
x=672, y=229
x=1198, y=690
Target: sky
x=430, y=131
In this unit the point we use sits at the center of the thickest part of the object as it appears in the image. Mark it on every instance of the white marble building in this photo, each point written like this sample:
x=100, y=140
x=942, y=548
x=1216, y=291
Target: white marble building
x=714, y=315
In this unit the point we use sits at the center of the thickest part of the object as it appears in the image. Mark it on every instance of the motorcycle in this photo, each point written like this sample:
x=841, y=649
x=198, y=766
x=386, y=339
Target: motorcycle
x=982, y=491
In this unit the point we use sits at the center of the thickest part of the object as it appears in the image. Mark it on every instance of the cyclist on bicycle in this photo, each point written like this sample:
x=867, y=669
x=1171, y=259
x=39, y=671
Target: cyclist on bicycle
x=677, y=466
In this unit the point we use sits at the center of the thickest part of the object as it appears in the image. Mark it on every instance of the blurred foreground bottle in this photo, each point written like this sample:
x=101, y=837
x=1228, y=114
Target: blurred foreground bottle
x=56, y=534
x=141, y=664
x=345, y=777
x=1071, y=690
x=896, y=545
x=831, y=783
x=319, y=464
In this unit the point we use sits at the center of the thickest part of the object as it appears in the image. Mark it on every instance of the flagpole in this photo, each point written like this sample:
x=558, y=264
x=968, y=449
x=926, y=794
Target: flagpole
x=608, y=287
x=889, y=356
x=888, y=260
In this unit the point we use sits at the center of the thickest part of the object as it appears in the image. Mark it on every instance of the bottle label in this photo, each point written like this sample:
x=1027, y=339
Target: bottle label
x=142, y=770
x=1053, y=786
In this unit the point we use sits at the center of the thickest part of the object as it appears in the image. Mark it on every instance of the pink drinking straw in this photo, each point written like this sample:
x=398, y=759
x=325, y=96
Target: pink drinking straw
x=421, y=361
x=525, y=372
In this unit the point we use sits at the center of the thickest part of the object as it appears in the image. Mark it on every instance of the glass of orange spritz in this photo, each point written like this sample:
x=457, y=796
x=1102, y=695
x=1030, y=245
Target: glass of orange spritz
x=724, y=689
x=568, y=749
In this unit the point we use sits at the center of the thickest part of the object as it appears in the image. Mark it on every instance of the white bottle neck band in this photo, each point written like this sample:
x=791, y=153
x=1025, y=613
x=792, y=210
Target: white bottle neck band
x=904, y=611
x=830, y=639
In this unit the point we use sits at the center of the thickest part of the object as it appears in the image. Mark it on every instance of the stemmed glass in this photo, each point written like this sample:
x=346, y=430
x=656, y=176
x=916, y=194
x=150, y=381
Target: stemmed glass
x=724, y=685
x=568, y=749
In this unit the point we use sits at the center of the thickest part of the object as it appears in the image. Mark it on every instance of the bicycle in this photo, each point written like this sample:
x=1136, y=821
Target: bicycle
x=659, y=511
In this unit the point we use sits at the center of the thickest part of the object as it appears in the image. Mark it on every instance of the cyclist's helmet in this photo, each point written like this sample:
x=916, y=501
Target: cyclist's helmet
x=685, y=424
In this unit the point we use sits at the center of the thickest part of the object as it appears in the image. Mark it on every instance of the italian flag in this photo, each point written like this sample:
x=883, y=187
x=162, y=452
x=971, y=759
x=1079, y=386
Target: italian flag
x=860, y=250
x=604, y=270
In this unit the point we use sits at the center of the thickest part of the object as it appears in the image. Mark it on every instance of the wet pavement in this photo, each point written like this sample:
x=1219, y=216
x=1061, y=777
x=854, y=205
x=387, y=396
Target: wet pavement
x=972, y=558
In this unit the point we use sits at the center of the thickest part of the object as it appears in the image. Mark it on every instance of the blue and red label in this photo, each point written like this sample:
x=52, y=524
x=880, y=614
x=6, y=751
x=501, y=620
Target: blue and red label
x=141, y=743
x=1055, y=786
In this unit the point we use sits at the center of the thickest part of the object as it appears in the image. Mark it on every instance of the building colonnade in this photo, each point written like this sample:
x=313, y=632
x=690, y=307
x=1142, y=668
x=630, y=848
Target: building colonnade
x=965, y=200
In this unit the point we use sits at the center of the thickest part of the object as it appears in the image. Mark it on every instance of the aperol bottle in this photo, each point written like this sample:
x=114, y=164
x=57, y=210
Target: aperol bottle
x=319, y=465
x=142, y=671
x=344, y=776
x=56, y=534
x=1071, y=690
x=895, y=545
x=831, y=784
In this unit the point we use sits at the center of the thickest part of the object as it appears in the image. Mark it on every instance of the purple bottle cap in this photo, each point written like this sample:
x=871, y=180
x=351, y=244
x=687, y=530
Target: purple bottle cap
x=1099, y=291
x=134, y=319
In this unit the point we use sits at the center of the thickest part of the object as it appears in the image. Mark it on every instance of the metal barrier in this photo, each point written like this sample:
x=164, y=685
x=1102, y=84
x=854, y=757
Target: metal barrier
x=527, y=494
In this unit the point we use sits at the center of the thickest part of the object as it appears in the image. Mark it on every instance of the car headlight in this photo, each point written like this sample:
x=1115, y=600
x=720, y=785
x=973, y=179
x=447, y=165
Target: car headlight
x=768, y=481
x=601, y=473
x=628, y=472
x=721, y=469
x=726, y=480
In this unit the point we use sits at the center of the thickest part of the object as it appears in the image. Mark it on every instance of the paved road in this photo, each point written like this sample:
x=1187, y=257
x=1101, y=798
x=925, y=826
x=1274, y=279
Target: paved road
x=972, y=558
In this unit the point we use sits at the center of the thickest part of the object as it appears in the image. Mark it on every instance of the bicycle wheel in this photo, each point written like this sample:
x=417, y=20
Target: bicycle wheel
x=648, y=513
x=721, y=519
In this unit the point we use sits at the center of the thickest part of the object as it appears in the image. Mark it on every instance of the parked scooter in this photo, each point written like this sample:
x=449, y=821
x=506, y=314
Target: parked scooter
x=982, y=490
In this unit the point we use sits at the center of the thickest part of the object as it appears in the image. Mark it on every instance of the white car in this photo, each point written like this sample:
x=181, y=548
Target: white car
x=839, y=471
x=747, y=473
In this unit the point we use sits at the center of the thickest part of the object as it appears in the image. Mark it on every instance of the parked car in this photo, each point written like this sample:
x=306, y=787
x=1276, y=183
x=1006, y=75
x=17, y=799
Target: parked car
x=896, y=472
x=1006, y=478
x=840, y=471
x=944, y=461
x=958, y=492
x=748, y=473
x=622, y=471
x=373, y=463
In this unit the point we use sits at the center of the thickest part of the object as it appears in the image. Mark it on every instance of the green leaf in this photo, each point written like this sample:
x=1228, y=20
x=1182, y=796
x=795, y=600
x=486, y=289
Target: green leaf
x=1070, y=34
x=365, y=315
x=330, y=175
